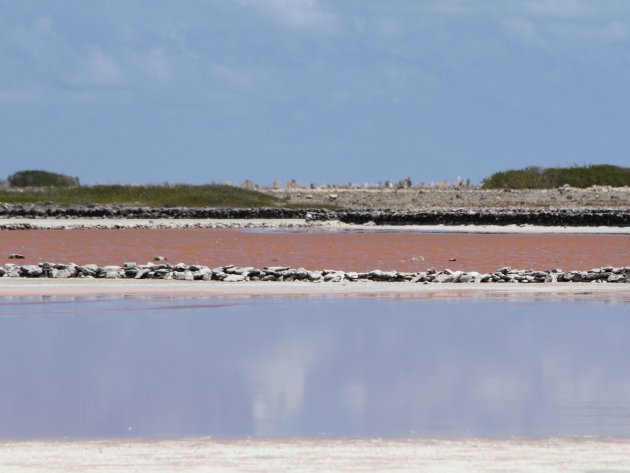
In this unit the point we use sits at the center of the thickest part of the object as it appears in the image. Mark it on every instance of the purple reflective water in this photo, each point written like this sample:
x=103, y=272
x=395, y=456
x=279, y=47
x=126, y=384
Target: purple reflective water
x=162, y=367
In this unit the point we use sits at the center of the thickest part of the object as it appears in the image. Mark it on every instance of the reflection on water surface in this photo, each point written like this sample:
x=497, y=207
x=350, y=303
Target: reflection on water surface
x=172, y=367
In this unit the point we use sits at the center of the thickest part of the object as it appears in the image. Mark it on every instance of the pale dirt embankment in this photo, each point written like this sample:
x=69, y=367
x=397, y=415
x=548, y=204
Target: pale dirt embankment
x=428, y=456
x=463, y=197
x=24, y=223
x=20, y=287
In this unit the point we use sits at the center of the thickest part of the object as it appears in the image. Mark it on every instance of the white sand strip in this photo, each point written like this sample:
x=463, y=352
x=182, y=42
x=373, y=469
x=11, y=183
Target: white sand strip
x=80, y=223
x=82, y=287
x=428, y=456
x=118, y=223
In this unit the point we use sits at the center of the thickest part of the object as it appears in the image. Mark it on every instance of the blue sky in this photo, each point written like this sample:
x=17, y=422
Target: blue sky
x=149, y=91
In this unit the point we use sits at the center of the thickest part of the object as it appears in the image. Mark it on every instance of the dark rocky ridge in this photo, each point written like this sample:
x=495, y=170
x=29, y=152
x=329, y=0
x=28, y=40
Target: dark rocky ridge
x=603, y=216
x=231, y=273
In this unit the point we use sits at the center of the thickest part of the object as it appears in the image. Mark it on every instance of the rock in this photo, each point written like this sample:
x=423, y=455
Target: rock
x=49, y=270
x=62, y=274
x=183, y=275
x=334, y=276
x=110, y=272
x=159, y=258
x=314, y=275
x=162, y=273
x=443, y=278
x=243, y=271
x=200, y=272
x=31, y=271
x=88, y=270
x=276, y=268
x=470, y=277
x=614, y=278
x=577, y=277
x=181, y=271
x=16, y=256
x=11, y=271
x=234, y=278
x=419, y=277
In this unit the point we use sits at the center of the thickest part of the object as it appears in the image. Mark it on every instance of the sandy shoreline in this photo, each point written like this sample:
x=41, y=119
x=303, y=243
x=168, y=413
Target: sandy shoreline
x=12, y=287
x=201, y=455
x=16, y=224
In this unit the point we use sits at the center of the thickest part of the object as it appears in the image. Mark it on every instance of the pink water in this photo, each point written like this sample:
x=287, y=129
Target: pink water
x=329, y=250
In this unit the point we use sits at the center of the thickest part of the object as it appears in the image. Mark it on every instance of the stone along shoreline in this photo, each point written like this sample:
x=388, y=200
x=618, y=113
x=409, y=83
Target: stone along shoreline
x=573, y=217
x=231, y=273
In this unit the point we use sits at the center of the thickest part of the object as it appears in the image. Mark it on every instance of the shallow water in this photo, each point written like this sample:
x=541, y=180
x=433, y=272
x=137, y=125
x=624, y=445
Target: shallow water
x=318, y=250
x=157, y=367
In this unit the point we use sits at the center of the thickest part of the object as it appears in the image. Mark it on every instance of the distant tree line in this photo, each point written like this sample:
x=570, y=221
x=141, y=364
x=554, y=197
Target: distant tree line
x=38, y=178
x=534, y=177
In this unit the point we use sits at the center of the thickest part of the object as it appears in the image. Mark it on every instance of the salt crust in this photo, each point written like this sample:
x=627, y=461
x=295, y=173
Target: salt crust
x=300, y=455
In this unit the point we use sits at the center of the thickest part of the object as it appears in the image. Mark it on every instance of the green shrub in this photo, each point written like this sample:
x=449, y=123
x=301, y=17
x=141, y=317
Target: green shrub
x=548, y=178
x=213, y=195
x=38, y=178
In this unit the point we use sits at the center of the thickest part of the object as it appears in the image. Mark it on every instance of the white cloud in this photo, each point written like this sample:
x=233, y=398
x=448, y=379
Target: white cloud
x=301, y=15
x=525, y=33
x=236, y=77
x=278, y=378
x=454, y=7
x=562, y=8
x=97, y=68
x=609, y=32
x=614, y=31
x=359, y=24
x=541, y=8
x=158, y=65
x=37, y=39
x=389, y=27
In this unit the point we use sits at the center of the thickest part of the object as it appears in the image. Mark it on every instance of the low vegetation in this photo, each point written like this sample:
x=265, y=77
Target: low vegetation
x=214, y=195
x=35, y=186
x=549, y=178
x=38, y=178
